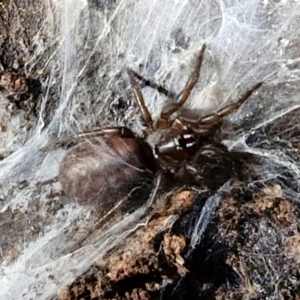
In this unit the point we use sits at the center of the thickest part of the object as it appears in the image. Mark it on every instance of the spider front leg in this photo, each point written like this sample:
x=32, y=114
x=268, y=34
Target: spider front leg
x=223, y=112
x=168, y=110
x=227, y=110
x=122, y=132
x=140, y=101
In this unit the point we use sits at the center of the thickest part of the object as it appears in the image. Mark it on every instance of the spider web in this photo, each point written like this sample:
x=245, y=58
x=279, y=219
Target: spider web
x=85, y=47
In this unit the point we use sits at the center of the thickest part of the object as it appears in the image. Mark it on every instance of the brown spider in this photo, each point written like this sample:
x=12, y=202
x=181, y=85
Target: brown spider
x=109, y=162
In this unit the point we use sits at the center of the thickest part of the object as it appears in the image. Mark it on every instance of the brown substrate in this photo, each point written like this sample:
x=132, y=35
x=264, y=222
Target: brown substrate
x=249, y=250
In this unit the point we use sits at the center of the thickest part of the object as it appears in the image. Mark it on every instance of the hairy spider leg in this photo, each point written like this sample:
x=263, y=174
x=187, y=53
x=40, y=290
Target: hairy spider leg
x=223, y=112
x=169, y=110
x=140, y=100
x=122, y=132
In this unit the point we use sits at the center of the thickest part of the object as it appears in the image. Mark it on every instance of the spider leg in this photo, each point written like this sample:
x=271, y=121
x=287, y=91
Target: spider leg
x=52, y=194
x=223, y=112
x=140, y=100
x=46, y=182
x=153, y=85
x=184, y=95
x=210, y=119
x=122, y=132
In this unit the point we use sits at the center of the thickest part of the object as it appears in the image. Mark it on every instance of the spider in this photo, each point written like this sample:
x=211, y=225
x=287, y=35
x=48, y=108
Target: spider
x=109, y=162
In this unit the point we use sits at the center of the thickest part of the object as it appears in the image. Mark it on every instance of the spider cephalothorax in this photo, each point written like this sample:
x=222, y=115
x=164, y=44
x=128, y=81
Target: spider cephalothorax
x=109, y=162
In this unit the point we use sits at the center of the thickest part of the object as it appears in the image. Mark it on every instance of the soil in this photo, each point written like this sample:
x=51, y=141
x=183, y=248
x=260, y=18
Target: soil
x=248, y=250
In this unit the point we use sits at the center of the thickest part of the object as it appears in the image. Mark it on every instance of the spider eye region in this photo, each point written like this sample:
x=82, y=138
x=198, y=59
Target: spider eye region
x=188, y=141
x=179, y=143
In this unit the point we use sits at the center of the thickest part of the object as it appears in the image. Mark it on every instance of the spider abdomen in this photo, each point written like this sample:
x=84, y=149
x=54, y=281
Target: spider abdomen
x=99, y=170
